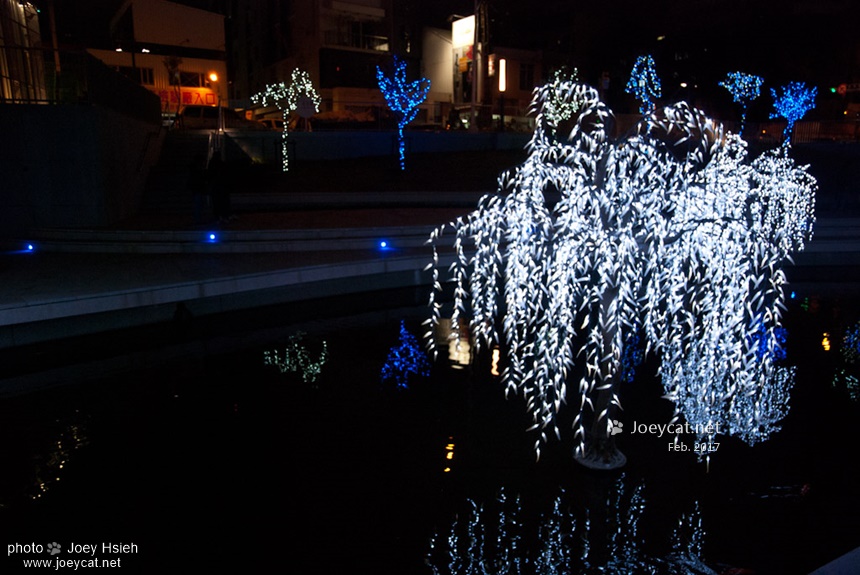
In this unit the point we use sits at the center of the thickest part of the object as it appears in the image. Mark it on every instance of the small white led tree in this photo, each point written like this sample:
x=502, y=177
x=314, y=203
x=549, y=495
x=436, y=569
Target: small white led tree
x=287, y=99
x=670, y=233
x=403, y=98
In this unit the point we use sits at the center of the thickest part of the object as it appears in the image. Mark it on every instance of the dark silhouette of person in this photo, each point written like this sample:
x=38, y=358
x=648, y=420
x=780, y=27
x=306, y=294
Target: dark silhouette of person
x=197, y=185
x=220, y=182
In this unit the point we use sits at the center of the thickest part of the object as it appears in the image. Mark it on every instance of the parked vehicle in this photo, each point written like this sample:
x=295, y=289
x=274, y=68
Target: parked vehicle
x=273, y=124
x=206, y=118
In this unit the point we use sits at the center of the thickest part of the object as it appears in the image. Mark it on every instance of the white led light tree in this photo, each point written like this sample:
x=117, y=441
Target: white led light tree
x=403, y=98
x=287, y=99
x=671, y=233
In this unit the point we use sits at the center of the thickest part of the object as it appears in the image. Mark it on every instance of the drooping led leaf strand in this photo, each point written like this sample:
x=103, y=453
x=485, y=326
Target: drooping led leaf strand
x=403, y=98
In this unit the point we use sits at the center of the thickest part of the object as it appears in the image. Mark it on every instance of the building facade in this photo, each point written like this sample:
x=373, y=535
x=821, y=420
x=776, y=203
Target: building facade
x=173, y=50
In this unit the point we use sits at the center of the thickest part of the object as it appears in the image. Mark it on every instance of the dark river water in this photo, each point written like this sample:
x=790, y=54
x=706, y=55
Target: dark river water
x=216, y=461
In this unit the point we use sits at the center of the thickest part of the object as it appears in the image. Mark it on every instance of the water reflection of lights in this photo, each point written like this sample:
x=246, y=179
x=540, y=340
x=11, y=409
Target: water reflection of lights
x=449, y=454
x=405, y=360
x=497, y=537
x=456, y=339
x=494, y=368
x=825, y=341
x=72, y=436
x=846, y=373
x=296, y=358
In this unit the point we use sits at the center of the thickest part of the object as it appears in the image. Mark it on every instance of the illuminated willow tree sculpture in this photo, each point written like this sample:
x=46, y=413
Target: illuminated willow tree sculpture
x=403, y=98
x=670, y=233
x=288, y=98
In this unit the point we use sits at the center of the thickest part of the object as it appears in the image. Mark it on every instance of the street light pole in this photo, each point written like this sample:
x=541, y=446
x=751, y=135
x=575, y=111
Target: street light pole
x=503, y=85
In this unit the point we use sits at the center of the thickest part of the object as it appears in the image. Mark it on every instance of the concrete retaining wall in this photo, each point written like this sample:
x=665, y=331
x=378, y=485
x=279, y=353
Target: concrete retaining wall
x=72, y=165
x=265, y=147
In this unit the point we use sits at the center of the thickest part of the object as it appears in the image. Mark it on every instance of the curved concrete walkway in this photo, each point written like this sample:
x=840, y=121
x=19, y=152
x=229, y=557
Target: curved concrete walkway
x=150, y=264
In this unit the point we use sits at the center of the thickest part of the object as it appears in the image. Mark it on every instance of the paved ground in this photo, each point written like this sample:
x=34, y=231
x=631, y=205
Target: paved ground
x=320, y=222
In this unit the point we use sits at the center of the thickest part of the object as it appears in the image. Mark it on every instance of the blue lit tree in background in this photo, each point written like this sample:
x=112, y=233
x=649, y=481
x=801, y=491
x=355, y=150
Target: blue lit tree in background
x=300, y=92
x=403, y=98
x=672, y=233
x=644, y=84
x=404, y=360
x=744, y=88
x=792, y=102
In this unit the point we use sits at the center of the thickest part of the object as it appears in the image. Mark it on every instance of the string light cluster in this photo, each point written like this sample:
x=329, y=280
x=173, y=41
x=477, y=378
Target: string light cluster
x=403, y=98
x=792, y=102
x=405, y=360
x=845, y=376
x=287, y=99
x=295, y=358
x=507, y=536
x=672, y=233
x=744, y=88
x=644, y=84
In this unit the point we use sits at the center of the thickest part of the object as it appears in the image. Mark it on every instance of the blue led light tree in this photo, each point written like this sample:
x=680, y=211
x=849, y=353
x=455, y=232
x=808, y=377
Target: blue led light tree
x=672, y=233
x=403, y=98
x=792, y=102
x=744, y=88
x=288, y=98
x=407, y=359
x=644, y=84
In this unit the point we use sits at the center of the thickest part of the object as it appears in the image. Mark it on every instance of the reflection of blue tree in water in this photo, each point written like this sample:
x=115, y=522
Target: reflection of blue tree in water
x=405, y=360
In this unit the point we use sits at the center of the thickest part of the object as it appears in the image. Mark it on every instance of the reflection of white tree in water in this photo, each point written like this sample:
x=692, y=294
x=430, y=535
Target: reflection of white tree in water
x=670, y=233
x=493, y=539
x=295, y=358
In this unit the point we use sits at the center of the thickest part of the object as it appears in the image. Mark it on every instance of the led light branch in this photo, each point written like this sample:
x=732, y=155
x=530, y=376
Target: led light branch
x=644, y=84
x=403, y=98
x=744, y=88
x=287, y=99
x=792, y=102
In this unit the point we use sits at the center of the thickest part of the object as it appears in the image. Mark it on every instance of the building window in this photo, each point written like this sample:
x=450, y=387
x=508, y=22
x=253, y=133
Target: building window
x=143, y=76
x=189, y=80
x=527, y=77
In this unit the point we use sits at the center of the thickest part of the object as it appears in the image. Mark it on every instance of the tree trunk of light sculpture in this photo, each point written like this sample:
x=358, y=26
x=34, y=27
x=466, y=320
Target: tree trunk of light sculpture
x=403, y=98
x=670, y=233
x=792, y=102
x=286, y=98
x=744, y=88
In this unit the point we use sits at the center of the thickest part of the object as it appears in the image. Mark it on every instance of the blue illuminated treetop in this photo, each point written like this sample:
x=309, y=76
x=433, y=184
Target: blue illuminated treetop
x=792, y=102
x=402, y=97
x=644, y=84
x=744, y=88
